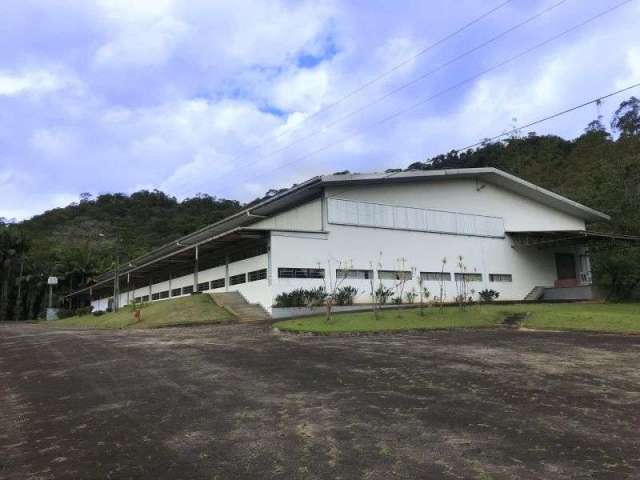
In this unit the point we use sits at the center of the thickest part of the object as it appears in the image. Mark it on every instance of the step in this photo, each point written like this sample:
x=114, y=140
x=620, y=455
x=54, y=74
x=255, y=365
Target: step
x=535, y=294
x=238, y=305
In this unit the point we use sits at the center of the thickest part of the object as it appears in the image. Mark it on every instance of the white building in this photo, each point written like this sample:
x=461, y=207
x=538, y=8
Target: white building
x=513, y=236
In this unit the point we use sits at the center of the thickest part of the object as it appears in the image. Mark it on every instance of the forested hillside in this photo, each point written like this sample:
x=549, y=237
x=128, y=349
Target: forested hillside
x=77, y=242
x=600, y=168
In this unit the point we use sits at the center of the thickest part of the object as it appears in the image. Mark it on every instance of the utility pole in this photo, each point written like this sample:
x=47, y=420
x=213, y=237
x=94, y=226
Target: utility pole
x=51, y=313
x=19, y=299
x=116, y=280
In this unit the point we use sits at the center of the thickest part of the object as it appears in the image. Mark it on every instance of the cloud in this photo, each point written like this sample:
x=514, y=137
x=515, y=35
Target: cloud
x=301, y=90
x=37, y=81
x=233, y=98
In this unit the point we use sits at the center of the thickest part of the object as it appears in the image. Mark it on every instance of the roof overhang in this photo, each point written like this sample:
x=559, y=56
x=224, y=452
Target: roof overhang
x=181, y=258
x=578, y=237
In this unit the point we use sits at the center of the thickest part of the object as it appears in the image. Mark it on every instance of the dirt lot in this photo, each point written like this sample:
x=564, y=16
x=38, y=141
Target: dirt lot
x=235, y=401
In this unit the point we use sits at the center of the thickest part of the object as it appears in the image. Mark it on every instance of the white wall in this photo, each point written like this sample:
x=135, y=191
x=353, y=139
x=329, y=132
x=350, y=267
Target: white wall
x=424, y=251
x=255, y=292
x=307, y=216
x=466, y=196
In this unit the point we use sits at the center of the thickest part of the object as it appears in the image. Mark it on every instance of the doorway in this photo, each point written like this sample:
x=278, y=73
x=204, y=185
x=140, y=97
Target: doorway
x=566, y=266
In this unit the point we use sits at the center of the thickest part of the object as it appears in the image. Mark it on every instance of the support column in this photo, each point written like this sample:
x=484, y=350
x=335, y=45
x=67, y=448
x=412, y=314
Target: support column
x=195, y=270
x=269, y=267
x=170, y=287
x=150, y=289
x=226, y=273
x=128, y=287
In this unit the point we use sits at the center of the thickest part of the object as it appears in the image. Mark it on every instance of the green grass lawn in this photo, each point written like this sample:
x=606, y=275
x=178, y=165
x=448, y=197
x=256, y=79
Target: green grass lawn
x=596, y=317
x=195, y=309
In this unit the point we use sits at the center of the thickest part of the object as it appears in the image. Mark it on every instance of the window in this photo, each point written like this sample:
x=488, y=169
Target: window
x=187, y=290
x=357, y=274
x=301, y=273
x=176, y=292
x=136, y=300
x=500, y=277
x=155, y=296
x=203, y=286
x=219, y=283
x=164, y=294
x=394, y=274
x=435, y=276
x=364, y=214
x=257, y=275
x=237, y=279
x=145, y=298
x=469, y=277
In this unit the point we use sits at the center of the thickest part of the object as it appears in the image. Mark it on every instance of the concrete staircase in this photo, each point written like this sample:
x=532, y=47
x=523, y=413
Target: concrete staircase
x=238, y=306
x=535, y=294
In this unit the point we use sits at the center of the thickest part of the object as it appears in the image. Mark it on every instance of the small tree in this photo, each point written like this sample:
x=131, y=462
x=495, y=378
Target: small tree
x=442, y=287
x=400, y=279
x=423, y=292
x=333, y=283
x=461, y=283
x=379, y=293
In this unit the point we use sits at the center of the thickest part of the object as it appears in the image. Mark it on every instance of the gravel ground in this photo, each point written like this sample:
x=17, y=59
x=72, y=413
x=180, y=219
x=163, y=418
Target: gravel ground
x=239, y=401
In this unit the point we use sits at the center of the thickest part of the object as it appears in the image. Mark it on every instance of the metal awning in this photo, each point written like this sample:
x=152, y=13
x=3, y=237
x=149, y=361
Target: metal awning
x=578, y=237
x=181, y=261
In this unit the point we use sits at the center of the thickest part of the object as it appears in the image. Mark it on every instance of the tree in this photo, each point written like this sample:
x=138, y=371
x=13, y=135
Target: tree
x=626, y=120
x=596, y=126
x=13, y=245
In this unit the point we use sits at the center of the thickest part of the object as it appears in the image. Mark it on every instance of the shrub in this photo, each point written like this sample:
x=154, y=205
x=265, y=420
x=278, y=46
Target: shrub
x=315, y=296
x=97, y=313
x=396, y=300
x=488, y=295
x=383, y=294
x=411, y=296
x=65, y=313
x=301, y=297
x=84, y=310
x=345, y=295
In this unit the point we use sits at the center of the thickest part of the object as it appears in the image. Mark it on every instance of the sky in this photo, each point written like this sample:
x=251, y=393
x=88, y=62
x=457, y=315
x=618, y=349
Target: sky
x=234, y=98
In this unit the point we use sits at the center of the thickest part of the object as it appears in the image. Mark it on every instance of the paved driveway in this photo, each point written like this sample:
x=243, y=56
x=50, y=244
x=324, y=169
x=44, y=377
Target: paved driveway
x=235, y=401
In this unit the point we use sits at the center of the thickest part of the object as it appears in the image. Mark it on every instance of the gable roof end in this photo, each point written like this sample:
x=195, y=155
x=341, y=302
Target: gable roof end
x=488, y=174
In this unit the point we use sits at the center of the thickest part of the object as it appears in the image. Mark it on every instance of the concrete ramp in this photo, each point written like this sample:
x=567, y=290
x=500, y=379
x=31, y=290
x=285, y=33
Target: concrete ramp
x=238, y=305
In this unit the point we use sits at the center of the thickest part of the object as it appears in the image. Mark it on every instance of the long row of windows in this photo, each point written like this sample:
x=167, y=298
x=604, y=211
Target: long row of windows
x=204, y=286
x=391, y=275
x=301, y=273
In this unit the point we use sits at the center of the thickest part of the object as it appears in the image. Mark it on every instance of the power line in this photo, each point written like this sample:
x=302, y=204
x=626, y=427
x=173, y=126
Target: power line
x=536, y=122
x=376, y=79
x=550, y=117
x=531, y=124
x=403, y=63
x=414, y=81
x=453, y=87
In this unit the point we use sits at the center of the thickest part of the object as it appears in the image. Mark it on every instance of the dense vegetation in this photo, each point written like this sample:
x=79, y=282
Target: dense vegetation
x=599, y=168
x=77, y=242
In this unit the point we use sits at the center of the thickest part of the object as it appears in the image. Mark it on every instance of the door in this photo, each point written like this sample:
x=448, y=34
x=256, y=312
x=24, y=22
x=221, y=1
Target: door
x=566, y=265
